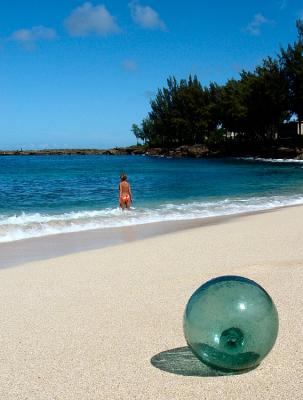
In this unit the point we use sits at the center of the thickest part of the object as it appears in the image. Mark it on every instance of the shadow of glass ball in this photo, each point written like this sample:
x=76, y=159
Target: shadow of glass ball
x=231, y=323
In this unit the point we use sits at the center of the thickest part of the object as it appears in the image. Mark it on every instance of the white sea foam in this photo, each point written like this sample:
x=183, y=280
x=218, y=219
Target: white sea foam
x=272, y=160
x=34, y=225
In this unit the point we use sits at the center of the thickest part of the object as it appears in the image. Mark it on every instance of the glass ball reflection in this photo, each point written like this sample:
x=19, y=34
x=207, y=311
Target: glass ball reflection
x=231, y=323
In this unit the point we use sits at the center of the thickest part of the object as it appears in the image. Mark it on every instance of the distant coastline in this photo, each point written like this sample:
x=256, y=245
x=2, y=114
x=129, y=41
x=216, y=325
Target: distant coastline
x=187, y=151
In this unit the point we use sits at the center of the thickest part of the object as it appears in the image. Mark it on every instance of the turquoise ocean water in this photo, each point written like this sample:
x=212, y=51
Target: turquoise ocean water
x=43, y=195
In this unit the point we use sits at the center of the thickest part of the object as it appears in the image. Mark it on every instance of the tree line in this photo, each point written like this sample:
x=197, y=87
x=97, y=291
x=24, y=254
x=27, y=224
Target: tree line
x=185, y=112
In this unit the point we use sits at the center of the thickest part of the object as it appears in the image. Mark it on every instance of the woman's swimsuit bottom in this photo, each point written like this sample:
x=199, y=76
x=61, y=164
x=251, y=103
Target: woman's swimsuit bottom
x=125, y=198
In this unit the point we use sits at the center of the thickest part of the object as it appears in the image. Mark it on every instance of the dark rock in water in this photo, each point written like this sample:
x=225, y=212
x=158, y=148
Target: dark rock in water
x=156, y=151
x=194, y=151
x=186, y=151
x=49, y=152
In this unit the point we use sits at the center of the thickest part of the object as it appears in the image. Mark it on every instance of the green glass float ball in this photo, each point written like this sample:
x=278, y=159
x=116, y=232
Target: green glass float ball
x=231, y=323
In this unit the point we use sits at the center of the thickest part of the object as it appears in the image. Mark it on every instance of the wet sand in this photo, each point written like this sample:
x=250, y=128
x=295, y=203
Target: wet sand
x=45, y=247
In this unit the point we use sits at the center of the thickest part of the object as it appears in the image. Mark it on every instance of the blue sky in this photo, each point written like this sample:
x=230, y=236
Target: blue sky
x=78, y=74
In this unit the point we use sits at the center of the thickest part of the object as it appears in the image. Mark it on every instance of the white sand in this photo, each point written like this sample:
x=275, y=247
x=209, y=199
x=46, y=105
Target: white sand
x=86, y=325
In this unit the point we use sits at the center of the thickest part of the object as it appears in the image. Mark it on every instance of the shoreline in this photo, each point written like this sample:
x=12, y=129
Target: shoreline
x=40, y=248
x=274, y=151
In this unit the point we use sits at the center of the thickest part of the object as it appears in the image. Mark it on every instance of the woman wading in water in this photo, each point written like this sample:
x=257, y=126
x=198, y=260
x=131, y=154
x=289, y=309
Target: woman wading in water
x=125, y=194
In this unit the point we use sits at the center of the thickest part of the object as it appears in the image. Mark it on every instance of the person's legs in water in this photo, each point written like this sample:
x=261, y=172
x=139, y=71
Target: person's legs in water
x=128, y=203
x=125, y=201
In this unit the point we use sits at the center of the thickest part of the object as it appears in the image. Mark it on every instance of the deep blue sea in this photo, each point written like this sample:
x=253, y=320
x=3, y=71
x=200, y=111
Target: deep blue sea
x=43, y=195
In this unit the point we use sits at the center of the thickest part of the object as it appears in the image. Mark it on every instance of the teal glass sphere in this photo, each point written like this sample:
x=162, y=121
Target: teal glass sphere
x=231, y=323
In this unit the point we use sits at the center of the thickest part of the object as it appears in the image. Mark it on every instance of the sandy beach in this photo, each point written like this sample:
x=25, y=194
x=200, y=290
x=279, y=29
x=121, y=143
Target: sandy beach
x=107, y=323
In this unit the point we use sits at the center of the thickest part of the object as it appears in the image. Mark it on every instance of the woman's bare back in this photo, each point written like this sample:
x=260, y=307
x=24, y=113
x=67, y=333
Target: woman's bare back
x=124, y=187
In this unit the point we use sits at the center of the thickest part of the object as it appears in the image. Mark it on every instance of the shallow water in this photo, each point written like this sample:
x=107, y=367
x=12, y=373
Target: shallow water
x=41, y=195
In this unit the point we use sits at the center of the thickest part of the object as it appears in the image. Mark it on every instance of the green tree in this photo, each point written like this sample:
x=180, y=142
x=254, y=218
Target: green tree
x=266, y=100
x=291, y=60
x=137, y=132
x=232, y=107
x=180, y=113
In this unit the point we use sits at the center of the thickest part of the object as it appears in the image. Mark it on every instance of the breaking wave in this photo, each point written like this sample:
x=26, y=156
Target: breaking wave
x=29, y=225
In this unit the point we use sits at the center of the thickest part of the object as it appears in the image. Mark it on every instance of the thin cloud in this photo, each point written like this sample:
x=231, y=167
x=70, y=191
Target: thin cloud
x=254, y=27
x=146, y=17
x=28, y=38
x=129, y=65
x=91, y=20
